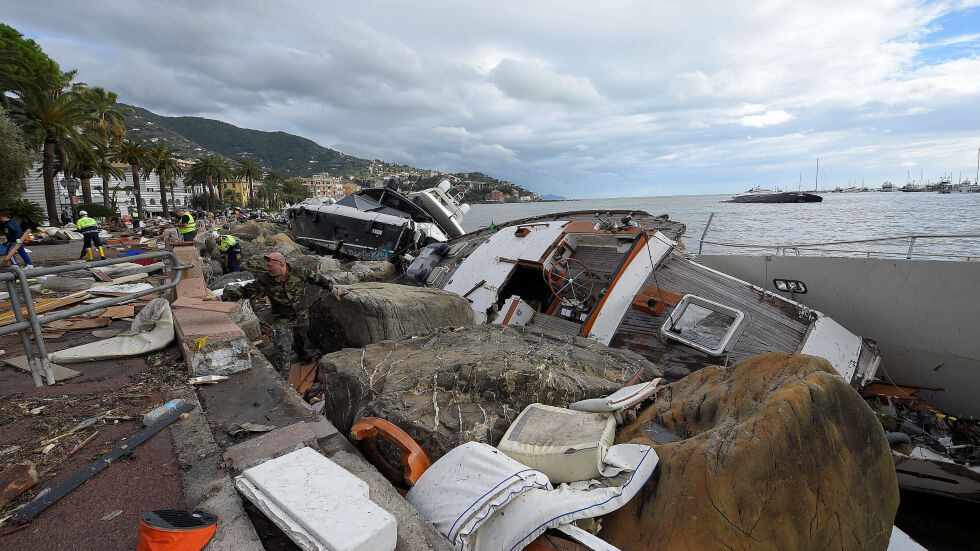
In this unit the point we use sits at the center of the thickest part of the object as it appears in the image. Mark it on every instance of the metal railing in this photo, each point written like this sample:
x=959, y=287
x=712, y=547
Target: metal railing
x=909, y=252
x=39, y=363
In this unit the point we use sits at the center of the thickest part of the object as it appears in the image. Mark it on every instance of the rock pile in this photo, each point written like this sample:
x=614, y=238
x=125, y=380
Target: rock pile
x=457, y=385
x=368, y=314
x=777, y=452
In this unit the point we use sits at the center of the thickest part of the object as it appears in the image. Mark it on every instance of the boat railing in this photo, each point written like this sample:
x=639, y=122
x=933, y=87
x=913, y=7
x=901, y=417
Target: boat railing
x=908, y=252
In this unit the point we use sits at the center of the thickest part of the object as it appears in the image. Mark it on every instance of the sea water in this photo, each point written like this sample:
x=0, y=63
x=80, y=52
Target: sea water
x=840, y=217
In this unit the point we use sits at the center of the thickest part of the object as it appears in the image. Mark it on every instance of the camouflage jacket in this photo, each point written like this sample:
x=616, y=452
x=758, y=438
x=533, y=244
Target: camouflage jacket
x=287, y=296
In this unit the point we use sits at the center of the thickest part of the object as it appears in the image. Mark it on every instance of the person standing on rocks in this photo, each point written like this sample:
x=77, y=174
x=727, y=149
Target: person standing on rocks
x=231, y=253
x=186, y=225
x=285, y=287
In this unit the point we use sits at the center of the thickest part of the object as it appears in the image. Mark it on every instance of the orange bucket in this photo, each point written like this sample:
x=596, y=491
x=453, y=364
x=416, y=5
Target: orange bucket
x=176, y=530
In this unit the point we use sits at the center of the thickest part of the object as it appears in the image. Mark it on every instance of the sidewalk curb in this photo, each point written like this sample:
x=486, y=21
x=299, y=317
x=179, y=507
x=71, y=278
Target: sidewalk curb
x=207, y=486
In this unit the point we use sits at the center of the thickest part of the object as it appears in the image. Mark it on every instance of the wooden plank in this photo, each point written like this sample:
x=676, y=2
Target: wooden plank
x=210, y=305
x=44, y=305
x=100, y=275
x=60, y=373
x=119, y=311
x=74, y=324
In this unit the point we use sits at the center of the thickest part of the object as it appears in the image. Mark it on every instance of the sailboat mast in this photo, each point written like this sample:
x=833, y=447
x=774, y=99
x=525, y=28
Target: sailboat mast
x=977, y=181
x=816, y=178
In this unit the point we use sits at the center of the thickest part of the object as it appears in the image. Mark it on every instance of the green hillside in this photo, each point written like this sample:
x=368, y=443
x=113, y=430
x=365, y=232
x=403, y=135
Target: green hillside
x=288, y=154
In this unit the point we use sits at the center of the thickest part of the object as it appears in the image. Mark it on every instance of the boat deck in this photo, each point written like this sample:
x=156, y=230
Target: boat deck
x=771, y=324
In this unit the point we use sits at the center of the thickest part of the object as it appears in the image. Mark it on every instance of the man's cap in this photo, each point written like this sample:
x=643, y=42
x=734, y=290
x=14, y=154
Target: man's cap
x=278, y=257
x=82, y=213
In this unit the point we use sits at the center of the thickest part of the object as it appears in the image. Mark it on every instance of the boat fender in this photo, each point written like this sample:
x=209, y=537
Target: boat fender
x=895, y=438
x=414, y=462
x=442, y=249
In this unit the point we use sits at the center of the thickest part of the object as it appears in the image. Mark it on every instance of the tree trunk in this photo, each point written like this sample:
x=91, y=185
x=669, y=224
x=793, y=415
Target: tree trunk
x=136, y=187
x=105, y=188
x=251, y=197
x=162, y=175
x=173, y=196
x=48, y=171
x=86, y=190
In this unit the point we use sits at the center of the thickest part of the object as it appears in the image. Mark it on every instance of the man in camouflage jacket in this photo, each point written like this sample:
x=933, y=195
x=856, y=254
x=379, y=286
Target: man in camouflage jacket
x=286, y=289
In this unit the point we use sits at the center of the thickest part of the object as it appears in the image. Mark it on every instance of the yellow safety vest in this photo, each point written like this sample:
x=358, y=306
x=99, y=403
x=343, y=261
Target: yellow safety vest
x=225, y=242
x=135, y=214
x=191, y=226
x=84, y=222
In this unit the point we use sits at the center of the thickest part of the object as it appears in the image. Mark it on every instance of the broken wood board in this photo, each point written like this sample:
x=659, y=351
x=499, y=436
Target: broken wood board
x=211, y=305
x=120, y=311
x=44, y=305
x=101, y=293
x=50, y=334
x=302, y=376
x=120, y=280
x=60, y=373
x=100, y=275
x=73, y=324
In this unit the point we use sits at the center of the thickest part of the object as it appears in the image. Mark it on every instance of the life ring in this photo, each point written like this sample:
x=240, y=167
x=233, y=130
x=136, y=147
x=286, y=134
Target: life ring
x=365, y=434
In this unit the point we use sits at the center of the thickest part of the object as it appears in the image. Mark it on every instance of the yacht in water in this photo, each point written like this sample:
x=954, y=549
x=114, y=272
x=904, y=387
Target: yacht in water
x=380, y=223
x=921, y=309
x=759, y=195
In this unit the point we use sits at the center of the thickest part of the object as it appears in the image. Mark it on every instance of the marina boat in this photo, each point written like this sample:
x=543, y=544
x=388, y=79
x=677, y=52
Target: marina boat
x=887, y=186
x=919, y=309
x=759, y=195
x=622, y=279
x=380, y=223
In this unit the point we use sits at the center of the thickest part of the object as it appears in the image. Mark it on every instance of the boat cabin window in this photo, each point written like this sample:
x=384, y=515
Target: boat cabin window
x=703, y=325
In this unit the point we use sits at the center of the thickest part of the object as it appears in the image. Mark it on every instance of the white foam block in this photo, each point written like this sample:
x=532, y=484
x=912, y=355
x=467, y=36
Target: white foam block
x=318, y=504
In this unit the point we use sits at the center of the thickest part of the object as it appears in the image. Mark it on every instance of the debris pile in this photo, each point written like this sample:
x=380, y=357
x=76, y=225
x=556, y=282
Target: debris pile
x=468, y=384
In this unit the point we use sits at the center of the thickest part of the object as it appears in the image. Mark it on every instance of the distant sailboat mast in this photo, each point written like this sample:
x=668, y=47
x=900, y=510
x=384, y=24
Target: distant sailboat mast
x=816, y=178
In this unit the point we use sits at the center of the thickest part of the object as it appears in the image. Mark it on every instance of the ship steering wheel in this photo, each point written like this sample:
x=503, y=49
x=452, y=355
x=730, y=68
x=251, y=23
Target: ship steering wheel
x=571, y=281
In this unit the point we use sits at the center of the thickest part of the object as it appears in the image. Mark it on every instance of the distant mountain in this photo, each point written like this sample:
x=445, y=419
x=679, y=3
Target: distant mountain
x=550, y=197
x=288, y=154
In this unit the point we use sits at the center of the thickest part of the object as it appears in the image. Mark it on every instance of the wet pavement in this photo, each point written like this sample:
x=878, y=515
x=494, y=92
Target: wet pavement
x=147, y=479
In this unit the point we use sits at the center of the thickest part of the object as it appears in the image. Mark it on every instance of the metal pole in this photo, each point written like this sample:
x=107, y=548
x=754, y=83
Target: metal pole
x=705, y=233
x=28, y=347
x=911, y=244
x=35, y=326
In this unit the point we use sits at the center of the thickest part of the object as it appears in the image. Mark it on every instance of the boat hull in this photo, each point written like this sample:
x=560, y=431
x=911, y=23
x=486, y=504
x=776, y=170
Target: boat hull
x=783, y=197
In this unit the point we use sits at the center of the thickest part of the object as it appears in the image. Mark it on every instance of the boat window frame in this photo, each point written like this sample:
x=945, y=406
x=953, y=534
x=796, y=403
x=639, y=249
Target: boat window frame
x=678, y=311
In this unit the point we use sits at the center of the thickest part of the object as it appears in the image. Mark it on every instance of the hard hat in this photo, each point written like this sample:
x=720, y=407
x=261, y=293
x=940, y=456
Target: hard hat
x=215, y=234
x=82, y=213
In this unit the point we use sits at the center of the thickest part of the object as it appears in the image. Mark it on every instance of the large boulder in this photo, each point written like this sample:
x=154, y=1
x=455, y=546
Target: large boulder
x=457, y=385
x=777, y=452
x=382, y=311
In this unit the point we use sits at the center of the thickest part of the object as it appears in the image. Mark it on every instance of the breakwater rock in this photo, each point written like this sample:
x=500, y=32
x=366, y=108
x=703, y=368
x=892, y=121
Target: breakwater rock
x=776, y=452
x=454, y=386
x=375, y=312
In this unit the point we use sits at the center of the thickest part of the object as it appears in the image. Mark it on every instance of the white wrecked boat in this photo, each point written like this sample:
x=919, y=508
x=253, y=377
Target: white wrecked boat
x=621, y=278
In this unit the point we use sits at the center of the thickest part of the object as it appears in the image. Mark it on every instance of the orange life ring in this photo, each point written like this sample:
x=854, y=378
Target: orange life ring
x=365, y=435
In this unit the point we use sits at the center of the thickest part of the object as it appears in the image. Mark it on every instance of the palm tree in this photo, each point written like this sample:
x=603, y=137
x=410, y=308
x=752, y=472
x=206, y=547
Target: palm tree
x=135, y=155
x=211, y=170
x=107, y=171
x=108, y=122
x=164, y=161
x=250, y=170
x=48, y=119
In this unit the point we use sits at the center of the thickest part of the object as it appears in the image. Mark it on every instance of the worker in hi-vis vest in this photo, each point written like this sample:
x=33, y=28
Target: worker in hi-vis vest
x=89, y=229
x=231, y=253
x=186, y=226
x=135, y=217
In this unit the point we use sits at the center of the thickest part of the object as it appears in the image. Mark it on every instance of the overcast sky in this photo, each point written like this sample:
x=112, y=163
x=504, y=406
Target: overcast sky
x=576, y=98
